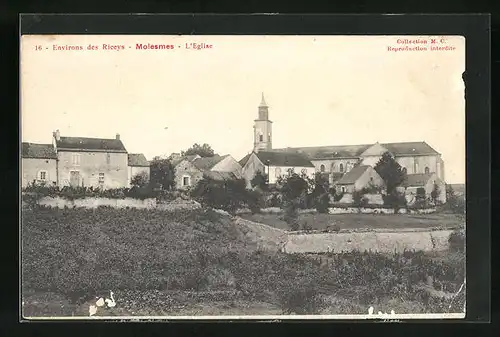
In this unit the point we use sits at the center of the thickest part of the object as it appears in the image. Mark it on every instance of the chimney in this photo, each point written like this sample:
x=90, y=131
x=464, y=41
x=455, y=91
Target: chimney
x=117, y=136
x=57, y=134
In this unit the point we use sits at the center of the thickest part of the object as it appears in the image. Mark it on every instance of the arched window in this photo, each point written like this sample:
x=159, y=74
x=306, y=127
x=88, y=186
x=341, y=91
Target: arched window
x=404, y=170
x=322, y=168
x=341, y=167
x=426, y=170
x=261, y=138
x=278, y=172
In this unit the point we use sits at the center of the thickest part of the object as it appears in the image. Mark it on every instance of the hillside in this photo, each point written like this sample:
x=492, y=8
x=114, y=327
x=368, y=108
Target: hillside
x=200, y=262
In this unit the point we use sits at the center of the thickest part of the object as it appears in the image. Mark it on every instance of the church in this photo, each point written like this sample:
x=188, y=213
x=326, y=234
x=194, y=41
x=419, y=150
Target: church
x=418, y=159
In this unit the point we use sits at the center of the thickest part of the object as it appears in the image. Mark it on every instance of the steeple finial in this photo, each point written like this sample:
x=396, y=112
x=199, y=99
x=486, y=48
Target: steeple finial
x=263, y=101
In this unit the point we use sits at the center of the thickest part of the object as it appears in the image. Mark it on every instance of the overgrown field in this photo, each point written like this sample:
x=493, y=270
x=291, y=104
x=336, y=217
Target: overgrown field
x=320, y=221
x=199, y=262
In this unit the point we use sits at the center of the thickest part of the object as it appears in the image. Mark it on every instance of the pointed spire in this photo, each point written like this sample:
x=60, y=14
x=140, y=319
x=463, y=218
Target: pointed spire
x=263, y=102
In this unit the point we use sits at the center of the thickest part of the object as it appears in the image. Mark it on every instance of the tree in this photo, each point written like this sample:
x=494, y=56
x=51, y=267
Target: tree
x=435, y=193
x=391, y=172
x=260, y=180
x=202, y=150
x=141, y=179
x=162, y=173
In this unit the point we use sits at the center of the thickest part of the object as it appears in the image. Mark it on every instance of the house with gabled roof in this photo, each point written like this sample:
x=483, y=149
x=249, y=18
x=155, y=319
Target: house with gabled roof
x=361, y=176
x=81, y=161
x=191, y=169
x=38, y=164
x=137, y=164
x=425, y=182
x=275, y=165
x=96, y=162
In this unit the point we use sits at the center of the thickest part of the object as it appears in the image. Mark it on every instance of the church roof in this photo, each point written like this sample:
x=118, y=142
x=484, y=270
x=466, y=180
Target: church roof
x=283, y=159
x=353, y=175
x=354, y=151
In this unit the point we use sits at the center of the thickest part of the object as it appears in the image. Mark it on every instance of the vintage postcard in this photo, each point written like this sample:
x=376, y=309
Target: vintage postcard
x=242, y=177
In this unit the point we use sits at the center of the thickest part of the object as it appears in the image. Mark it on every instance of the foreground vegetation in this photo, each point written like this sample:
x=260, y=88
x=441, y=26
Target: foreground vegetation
x=173, y=263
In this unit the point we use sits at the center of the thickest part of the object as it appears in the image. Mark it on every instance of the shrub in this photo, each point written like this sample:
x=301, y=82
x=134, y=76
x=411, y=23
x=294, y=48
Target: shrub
x=255, y=201
x=395, y=200
x=338, y=196
x=141, y=179
x=322, y=202
x=291, y=215
x=457, y=241
x=357, y=196
x=307, y=227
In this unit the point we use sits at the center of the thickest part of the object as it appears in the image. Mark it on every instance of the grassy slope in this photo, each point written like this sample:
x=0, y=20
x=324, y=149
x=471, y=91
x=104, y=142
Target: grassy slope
x=185, y=262
x=355, y=221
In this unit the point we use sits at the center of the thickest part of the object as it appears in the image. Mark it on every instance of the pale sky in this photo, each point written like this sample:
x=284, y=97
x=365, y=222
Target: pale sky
x=321, y=90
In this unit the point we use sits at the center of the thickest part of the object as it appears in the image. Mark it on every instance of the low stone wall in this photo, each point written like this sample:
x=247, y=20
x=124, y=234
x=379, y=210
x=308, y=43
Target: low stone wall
x=177, y=205
x=58, y=202
x=384, y=242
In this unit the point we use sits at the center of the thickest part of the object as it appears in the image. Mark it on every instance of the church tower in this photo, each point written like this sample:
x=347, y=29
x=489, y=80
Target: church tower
x=262, y=129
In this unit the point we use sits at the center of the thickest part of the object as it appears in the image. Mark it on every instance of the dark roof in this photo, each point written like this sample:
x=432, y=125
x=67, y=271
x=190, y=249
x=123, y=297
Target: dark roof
x=321, y=152
x=206, y=163
x=137, y=159
x=353, y=175
x=417, y=179
x=354, y=151
x=42, y=151
x=244, y=160
x=410, y=148
x=283, y=159
x=219, y=175
x=90, y=144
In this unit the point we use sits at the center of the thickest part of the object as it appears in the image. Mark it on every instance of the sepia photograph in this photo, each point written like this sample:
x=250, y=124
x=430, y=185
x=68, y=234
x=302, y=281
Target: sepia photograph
x=242, y=177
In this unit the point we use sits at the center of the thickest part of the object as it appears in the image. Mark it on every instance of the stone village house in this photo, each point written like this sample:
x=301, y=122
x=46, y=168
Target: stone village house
x=79, y=161
x=191, y=169
x=335, y=162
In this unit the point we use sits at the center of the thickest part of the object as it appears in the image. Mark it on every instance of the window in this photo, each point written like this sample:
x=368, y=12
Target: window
x=343, y=189
x=416, y=167
x=341, y=167
x=108, y=158
x=290, y=171
x=268, y=137
x=371, y=179
x=322, y=168
x=404, y=170
x=101, y=178
x=261, y=138
x=426, y=170
x=42, y=175
x=75, y=159
x=278, y=172
x=186, y=181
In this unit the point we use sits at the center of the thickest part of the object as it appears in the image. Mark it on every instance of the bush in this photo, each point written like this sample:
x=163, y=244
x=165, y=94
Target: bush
x=395, y=200
x=141, y=179
x=322, y=202
x=255, y=201
x=457, y=241
x=291, y=215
